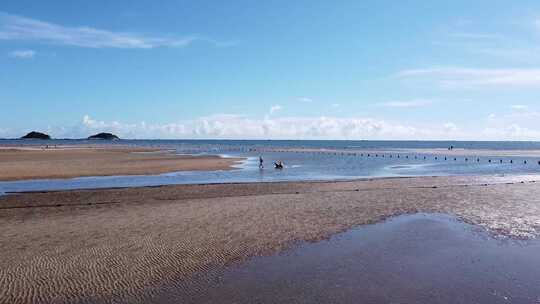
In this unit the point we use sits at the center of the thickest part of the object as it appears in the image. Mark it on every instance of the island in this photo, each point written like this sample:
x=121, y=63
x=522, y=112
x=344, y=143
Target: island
x=105, y=136
x=36, y=135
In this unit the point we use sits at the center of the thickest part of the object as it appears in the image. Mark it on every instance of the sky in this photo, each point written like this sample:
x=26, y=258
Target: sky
x=407, y=70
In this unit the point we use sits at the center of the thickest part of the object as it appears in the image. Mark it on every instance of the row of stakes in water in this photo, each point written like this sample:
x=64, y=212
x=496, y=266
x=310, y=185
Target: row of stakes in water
x=237, y=149
x=385, y=155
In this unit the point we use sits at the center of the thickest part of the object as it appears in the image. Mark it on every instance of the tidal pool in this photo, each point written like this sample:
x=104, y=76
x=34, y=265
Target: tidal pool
x=419, y=258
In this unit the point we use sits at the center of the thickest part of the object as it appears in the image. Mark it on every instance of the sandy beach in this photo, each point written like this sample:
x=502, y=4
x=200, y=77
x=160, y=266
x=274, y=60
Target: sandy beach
x=123, y=245
x=19, y=163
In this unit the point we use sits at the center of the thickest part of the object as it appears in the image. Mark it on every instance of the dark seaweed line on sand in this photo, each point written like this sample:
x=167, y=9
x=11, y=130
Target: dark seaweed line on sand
x=248, y=195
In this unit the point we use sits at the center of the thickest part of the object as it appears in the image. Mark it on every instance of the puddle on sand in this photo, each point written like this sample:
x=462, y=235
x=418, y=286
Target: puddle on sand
x=420, y=258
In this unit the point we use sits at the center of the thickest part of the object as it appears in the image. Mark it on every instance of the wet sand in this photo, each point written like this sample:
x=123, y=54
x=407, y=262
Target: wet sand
x=19, y=163
x=125, y=245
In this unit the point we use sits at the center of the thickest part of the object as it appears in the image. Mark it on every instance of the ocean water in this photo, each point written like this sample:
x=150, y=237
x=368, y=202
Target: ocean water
x=304, y=160
x=338, y=144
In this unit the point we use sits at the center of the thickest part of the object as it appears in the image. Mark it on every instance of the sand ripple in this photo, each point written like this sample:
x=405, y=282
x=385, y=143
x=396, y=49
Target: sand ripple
x=125, y=251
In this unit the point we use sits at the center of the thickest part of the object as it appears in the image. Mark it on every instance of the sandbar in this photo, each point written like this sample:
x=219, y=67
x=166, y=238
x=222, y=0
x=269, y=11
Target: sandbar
x=20, y=163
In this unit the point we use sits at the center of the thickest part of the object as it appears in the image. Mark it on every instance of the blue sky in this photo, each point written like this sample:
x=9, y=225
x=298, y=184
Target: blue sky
x=272, y=69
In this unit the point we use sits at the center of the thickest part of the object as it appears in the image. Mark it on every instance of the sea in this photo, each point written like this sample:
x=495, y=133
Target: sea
x=305, y=160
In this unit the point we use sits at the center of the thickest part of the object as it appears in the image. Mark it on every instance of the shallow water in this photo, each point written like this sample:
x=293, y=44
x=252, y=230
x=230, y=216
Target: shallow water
x=301, y=166
x=420, y=258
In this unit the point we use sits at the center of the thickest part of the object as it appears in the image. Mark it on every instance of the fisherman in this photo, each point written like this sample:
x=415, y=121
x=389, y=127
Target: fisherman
x=261, y=161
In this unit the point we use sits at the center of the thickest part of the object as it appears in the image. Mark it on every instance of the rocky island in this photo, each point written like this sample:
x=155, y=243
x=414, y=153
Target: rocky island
x=105, y=136
x=36, y=135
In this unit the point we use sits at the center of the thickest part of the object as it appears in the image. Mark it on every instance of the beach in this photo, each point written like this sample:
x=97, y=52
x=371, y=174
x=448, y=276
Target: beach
x=49, y=162
x=137, y=244
x=265, y=152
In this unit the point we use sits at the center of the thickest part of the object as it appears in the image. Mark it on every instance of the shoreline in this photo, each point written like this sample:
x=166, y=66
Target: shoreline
x=481, y=180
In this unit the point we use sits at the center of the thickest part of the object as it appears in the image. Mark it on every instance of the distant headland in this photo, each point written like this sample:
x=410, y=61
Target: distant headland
x=36, y=135
x=105, y=136
x=45, y=136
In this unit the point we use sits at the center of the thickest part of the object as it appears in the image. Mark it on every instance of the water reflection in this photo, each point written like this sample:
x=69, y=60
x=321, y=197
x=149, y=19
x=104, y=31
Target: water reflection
x=421, y=258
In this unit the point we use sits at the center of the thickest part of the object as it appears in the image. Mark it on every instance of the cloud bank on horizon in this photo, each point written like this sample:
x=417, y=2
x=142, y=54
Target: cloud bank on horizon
x=450, y=74
x=228, y=126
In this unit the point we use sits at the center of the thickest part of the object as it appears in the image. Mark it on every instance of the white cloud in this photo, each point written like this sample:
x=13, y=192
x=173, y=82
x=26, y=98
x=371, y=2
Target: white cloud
x=275, y=108
x=511, y=132
x=470, y=77
x=475, y=36
x=23, y=54
x=522, y=54
x=236, y=126
x=14, y=27
x=520, y=124
x=519, y=107
x=512, y=44
x=450, y=127
x=3, y=133
x=305, y=99
x=522, y=116
x=229, y=126
x=416, y=103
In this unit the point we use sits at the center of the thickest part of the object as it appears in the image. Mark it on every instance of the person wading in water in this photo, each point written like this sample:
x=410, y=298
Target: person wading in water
x=261, y=161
